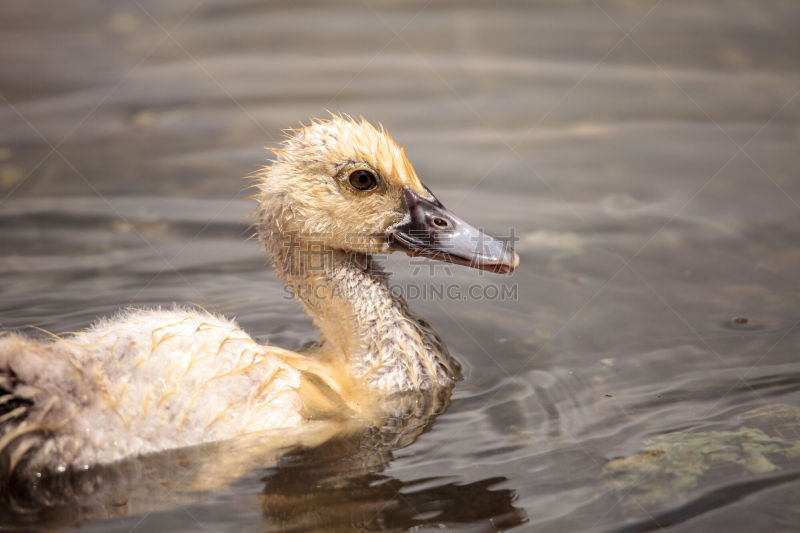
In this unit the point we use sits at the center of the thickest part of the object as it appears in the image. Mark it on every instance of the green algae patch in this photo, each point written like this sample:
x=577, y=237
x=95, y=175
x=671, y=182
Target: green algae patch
x=670, y=466
x=779, y=420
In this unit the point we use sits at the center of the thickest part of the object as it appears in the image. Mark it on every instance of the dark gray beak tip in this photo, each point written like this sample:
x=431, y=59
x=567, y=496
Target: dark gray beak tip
x=433, y=231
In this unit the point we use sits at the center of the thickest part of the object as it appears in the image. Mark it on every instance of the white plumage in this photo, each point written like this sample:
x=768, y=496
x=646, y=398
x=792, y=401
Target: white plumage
x=145, y=381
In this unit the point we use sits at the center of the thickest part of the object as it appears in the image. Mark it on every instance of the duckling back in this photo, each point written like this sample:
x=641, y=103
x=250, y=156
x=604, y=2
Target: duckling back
x=138, y=383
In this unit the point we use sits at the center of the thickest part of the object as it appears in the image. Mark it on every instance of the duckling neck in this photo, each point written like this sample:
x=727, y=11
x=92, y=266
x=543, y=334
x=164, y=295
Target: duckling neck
x=364, y=323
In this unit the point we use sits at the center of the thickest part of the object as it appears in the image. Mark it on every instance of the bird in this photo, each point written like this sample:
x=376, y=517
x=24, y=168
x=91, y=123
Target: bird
x=337, y=193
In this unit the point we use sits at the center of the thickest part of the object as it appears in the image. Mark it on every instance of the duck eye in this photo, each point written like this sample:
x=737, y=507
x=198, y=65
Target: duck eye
x=363, y=180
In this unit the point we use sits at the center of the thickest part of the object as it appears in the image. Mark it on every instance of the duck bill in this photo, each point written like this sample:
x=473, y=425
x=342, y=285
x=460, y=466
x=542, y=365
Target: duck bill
x=431, y=230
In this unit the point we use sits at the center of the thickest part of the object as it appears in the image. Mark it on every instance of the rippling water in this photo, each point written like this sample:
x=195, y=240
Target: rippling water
x=642, y=373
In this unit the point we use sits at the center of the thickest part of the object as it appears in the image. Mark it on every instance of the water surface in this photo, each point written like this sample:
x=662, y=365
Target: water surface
x=643, y=372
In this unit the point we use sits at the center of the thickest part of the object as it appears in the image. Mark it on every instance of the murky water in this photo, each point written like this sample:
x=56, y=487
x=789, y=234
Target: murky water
x=641, y=369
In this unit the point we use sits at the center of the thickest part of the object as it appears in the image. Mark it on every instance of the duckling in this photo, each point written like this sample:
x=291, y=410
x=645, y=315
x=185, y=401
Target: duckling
x=337, y=193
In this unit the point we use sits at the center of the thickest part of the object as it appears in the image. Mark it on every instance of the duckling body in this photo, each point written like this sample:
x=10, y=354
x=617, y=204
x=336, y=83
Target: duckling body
x=150, y=380
x=145, y=381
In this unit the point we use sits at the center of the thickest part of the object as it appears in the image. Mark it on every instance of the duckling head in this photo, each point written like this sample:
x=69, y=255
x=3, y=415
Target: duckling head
x=342, y=184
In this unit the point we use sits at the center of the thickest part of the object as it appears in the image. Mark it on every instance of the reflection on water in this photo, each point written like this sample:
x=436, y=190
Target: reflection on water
x=645, y=154
x=334, y=478
x=341, y=488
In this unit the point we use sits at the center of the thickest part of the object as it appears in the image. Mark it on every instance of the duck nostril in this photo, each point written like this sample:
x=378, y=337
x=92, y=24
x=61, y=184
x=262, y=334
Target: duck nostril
x=440, y=223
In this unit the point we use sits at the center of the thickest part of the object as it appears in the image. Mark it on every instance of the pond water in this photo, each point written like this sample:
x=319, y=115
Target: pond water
x=640, y=370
